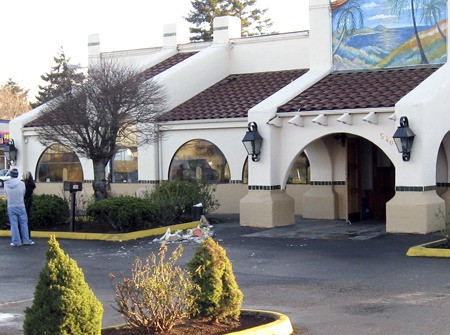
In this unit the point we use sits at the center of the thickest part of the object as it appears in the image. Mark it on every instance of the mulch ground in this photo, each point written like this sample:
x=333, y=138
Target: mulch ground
x=201, y=327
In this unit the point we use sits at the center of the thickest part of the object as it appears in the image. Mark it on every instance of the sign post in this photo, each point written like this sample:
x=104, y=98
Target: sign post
x=73, y=187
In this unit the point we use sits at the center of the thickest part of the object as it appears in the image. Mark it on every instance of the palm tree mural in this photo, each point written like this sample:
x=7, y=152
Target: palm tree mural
x=432, y=12
x=350, y=18
x=398, y=6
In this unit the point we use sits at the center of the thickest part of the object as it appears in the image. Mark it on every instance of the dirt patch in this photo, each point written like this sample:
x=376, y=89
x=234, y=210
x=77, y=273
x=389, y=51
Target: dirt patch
x=199, y=326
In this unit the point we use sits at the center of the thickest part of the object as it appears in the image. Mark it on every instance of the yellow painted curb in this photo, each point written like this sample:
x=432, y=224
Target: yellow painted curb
x=108, y=237
x=427, y=250
x=280, y=326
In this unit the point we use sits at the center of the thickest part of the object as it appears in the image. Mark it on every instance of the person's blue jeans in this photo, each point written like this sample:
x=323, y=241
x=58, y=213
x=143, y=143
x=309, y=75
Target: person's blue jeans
x=19, y=220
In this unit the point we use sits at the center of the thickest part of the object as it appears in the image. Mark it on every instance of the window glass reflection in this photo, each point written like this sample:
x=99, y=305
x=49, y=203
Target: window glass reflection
x=58, y=163
x=199, y=160
x=124, y=166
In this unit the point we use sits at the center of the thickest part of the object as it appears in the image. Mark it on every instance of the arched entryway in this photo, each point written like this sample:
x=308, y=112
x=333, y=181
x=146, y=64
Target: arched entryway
x=370, y=179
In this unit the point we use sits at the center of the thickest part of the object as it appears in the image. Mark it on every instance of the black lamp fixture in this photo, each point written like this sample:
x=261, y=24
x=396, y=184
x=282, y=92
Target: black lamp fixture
x=10, y=152
x=253, y=141
x=404, y=138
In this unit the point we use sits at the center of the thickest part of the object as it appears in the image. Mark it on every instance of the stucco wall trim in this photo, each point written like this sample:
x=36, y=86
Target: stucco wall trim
x=336, y=112
x=328, y=183
x=264, y=187
x=415, y=188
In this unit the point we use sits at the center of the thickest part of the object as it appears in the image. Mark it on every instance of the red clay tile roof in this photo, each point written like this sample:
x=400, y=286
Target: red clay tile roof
x=366, y=89
x=166, y=64
x=233, y=96
x=147, y=74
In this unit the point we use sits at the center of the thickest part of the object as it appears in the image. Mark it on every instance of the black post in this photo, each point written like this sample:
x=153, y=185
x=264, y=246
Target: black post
x=72, y=221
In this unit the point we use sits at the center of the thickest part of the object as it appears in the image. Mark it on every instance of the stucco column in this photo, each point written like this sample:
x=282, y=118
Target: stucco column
x=267, y=204
x=414, y=212
x=320, y=202
x=267, y=209
x=416, y=205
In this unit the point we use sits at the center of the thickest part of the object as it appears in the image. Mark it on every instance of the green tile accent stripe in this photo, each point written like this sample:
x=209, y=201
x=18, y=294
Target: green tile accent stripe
x=327, y=183
x=442, y=184
x=415, y=188
x=149, y=182
x=264, y=188
x=235, y=181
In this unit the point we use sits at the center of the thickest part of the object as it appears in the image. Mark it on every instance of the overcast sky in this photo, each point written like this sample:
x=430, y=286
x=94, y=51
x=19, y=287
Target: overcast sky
x=32, y=31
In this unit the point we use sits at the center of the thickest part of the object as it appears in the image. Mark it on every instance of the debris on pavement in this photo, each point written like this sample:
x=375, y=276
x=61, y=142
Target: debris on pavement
x=197, y=235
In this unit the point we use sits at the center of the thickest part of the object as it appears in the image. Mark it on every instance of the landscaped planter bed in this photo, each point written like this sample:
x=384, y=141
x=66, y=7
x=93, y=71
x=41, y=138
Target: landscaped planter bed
x=259, y=323
x=437, y=248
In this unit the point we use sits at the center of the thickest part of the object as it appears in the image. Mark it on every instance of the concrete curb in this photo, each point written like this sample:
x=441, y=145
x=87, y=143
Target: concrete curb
x=429, y=250
x=108, y=237
x=280, y=326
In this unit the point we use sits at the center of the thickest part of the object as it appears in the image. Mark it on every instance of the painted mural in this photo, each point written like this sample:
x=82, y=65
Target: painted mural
x=374, y=34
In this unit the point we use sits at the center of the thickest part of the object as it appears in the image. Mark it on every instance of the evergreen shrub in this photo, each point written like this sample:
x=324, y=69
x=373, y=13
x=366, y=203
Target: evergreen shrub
x=124, y=213
x=175, y=199
x=217, y=295
x=63, y=302
x=4, y=220
x=48, y=211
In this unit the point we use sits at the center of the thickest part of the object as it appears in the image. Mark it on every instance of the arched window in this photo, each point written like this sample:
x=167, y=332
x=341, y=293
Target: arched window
x=201, y=160
x=124, y=167
x=300, y=172
x=58, y=163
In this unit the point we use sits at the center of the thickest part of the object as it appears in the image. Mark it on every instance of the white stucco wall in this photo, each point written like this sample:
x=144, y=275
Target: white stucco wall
x=266, y=53
x=427, y=110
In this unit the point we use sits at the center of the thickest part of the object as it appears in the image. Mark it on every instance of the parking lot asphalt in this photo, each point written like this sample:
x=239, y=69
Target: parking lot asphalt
x=328, y=277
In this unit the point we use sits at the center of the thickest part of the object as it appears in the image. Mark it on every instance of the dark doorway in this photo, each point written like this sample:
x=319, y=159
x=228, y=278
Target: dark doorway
x=370, y=180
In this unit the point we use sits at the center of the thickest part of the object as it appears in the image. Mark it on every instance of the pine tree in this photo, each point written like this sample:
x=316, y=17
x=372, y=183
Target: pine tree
x=218, y=295
x=13, y=100
x=204, y=12
x=62, y=78
x=63, y=302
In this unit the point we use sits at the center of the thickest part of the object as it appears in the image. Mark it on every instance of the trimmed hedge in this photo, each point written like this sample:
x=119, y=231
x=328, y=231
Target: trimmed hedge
x=47, y=211
x=175, y=199
x=124, y=213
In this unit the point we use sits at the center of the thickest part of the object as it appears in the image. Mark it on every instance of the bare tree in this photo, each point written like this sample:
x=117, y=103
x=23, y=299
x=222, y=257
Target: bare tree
x=113, y=107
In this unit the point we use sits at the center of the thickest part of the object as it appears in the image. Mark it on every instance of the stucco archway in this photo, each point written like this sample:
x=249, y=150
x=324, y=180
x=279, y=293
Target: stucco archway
x=351, y=179
x=442, y=173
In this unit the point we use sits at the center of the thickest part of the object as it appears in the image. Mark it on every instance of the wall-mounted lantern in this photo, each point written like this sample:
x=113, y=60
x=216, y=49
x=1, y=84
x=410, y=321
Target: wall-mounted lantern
x=253, y=141
x=404, y=138
x=10, y=152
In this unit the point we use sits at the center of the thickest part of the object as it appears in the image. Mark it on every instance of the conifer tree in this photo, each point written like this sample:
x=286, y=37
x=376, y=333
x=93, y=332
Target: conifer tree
x=63, y=302
x=204, y=12
x=61, y=78
x=217, y=295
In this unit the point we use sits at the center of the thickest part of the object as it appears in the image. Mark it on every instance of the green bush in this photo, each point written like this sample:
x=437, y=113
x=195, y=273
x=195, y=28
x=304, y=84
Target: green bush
x=217, y=295
x=48, y=211
x=4, y=220
x=124, y=213
x=174, y=200
x=63, y=302
x=158, y=294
